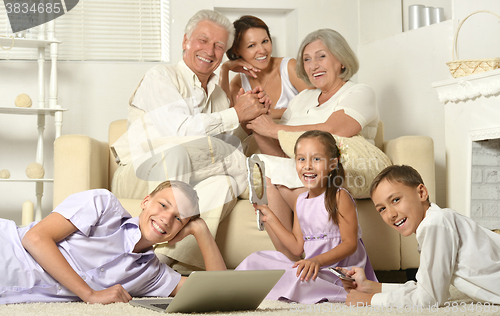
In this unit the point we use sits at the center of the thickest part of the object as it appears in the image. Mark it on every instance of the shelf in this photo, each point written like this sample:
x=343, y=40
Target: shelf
x=39, y=109
x=25, y=42
x=29, y=111
x=26, y=180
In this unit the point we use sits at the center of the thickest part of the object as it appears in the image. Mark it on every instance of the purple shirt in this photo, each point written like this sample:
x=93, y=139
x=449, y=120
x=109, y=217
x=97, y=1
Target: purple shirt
x=100, y=251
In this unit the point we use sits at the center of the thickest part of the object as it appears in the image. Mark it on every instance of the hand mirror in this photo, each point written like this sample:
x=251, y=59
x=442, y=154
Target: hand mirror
x=257, y=185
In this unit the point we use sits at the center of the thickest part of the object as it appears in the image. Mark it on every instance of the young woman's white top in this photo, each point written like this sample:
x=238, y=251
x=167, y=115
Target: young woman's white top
x=288, y=91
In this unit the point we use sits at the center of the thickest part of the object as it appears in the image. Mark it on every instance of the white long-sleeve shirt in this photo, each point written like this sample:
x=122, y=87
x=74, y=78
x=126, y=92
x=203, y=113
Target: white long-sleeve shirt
x=453, y=250
x=170, y=102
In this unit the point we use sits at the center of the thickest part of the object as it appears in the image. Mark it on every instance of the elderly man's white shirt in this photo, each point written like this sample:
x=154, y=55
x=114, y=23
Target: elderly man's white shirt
x=454, y=250
x=170, y=102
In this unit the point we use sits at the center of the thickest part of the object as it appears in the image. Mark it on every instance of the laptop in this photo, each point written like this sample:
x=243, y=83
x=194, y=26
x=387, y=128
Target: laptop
x=207, y=291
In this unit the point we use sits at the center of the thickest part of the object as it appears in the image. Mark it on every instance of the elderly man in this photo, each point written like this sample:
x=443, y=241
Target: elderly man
x=177, y=130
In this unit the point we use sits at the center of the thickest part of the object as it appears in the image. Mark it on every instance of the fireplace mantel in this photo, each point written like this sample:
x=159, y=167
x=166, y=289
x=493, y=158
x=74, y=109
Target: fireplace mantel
x=458, y=90
x=472, y=113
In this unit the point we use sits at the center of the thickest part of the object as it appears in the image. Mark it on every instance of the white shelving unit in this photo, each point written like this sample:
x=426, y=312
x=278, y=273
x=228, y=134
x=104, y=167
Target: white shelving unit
x=39, y=109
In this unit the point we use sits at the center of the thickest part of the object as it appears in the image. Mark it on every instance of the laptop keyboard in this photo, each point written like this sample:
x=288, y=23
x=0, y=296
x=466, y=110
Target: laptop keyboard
x=162, y=306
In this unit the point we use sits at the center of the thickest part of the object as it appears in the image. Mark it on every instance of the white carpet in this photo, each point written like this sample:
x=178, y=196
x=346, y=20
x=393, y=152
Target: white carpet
x=458, y=305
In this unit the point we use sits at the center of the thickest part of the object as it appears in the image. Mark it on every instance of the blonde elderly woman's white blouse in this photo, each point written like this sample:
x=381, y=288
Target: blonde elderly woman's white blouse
x=357, y=101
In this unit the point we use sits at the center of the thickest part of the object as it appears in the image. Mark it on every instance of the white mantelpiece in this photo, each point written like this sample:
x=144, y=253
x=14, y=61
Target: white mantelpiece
x=472, y=113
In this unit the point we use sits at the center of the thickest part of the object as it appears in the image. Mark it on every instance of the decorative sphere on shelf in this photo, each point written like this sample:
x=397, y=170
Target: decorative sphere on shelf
x=35, y=171
x=4, y=174
x=23, y=101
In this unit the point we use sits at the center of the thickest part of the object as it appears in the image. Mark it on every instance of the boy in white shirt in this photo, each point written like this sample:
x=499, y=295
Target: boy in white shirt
x=453, y=248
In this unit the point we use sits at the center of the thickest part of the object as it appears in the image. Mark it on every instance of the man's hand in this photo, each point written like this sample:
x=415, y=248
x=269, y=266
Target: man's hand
x=251, y=104
x=262, y=95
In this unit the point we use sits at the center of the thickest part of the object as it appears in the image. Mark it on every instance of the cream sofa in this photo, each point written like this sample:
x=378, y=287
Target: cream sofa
x=82, y=163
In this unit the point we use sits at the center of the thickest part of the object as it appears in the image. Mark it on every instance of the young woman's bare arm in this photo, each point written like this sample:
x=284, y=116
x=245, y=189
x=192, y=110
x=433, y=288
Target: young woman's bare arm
x=231, y=87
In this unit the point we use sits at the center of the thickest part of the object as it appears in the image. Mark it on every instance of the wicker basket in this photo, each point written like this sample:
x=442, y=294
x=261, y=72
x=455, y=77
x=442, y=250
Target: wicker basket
x=465, y=67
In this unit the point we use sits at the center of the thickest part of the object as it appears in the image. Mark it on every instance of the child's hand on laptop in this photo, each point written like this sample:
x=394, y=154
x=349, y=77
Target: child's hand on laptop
x=114, y=294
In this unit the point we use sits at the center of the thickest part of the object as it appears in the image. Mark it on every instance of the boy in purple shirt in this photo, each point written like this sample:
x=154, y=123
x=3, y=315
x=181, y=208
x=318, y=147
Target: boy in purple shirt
x=91, y=249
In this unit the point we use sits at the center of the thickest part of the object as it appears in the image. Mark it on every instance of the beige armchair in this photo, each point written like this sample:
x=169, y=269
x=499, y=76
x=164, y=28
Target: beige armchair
x=82, y=163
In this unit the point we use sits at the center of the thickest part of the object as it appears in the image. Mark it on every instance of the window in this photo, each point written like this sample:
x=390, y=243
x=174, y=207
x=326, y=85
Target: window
x=107, y=30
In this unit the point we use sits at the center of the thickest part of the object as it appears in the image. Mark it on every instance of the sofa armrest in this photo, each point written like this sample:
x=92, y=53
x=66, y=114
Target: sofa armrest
x=417, y=152
x=80, y=163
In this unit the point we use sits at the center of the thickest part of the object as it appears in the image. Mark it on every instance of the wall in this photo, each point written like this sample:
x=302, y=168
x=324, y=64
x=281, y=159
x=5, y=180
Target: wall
x=96, y=93
x=401, y=66
x=401, y=69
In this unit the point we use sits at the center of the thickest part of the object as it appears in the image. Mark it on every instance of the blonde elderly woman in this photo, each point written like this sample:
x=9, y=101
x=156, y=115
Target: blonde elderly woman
x=337, y=105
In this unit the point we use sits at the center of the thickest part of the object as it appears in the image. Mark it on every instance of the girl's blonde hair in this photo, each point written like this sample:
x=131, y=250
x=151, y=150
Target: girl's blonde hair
x=335, y=177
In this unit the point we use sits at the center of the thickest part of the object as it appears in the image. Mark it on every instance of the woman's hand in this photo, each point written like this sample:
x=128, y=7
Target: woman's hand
x=265, y=126
x=114, y=294
x=307, y=269
x=241, y=66
x=262, y=96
